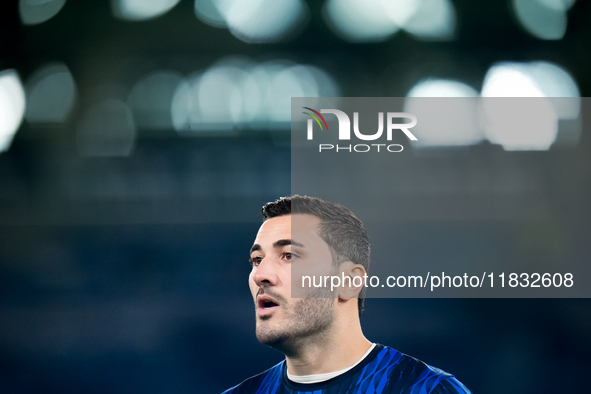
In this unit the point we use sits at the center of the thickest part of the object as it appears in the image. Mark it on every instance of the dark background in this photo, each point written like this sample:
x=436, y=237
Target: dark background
x=116, y=276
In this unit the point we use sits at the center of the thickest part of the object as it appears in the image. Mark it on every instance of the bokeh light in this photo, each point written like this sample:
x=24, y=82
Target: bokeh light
x=357, y=21
x=51, y=94
x=535, y=79
x=138, y=10
x=449, y=120
x=433, y=20
x=237, y=93
x=12, y=106
x=544, y=19
x=257, y=21
x=294, y=81
x=183, y=108
x=151, y=97
x=106, y=129
x=377, y=20
x=208, y=12
x=213, y=100
x=35, y=12
x=510, y=80
x=441, y=88
x=220, y=99
x=557, y=84
x=528, y=124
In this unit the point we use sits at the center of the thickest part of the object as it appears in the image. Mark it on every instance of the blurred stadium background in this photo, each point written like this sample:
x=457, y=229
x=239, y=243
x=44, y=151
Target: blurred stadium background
x=139, y=138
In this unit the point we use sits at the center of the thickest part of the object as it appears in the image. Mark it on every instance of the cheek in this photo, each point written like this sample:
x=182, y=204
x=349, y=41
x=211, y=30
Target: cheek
x=284, y=275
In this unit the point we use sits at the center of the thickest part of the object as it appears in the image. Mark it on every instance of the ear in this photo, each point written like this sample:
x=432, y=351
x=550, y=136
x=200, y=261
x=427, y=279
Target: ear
x=353, y=278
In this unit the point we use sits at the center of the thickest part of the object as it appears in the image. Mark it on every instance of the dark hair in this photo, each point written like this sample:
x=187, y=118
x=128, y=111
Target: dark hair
x=344, y=233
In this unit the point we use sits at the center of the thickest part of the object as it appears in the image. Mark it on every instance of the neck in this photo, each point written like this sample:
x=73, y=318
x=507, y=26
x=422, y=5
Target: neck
x=339, y=349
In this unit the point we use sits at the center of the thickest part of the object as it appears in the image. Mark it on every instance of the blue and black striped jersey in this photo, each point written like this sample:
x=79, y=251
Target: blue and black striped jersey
x=383, y=371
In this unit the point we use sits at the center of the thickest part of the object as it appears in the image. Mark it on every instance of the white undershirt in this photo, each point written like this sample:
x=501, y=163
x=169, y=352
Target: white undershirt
x=322, y=377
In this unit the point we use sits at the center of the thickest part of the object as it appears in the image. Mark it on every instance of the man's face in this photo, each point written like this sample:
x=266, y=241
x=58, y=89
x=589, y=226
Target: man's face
x=280, y=243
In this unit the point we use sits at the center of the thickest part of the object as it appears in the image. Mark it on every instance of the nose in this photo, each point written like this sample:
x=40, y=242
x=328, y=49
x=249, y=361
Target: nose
x=264, y=274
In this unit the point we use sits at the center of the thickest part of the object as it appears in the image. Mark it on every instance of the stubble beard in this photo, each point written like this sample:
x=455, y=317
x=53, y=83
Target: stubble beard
x=309, y=320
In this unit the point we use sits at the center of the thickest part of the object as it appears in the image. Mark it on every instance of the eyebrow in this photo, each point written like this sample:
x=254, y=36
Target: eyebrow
x=277, y=244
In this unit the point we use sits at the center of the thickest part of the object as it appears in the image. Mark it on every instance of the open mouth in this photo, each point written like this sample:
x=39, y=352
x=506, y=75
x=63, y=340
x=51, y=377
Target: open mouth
x=266, y=304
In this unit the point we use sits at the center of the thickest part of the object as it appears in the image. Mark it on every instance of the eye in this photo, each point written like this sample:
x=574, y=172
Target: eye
x=256, y=261
x=288, y=256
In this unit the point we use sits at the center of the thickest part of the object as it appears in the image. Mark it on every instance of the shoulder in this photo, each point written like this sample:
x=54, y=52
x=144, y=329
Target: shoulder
x=451, y=385
x=266, y=381
x=415, y=376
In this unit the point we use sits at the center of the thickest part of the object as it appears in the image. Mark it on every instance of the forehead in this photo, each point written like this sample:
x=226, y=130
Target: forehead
x=300, y=228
